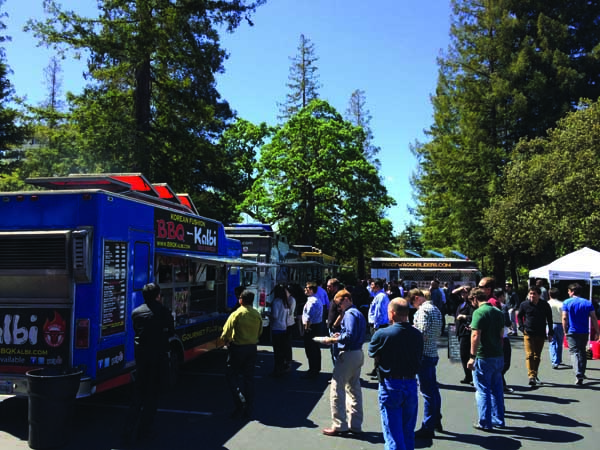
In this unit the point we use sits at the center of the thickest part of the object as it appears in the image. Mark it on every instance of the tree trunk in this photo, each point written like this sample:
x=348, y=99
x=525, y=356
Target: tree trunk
x=307, y=234
x=142, y=116
x=499, y=268
x=513, y=271
x=360, y=260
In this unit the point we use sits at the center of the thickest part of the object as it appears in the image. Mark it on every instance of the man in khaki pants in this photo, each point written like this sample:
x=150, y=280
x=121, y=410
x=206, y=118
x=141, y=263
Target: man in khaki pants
x=347, y=416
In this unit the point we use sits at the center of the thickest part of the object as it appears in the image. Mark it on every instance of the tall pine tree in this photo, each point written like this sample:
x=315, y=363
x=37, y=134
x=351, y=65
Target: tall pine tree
x=12, y=131
x=512, y=70
x=55, y=139
x=303, y=80
x=359, y=116
x=152, y=105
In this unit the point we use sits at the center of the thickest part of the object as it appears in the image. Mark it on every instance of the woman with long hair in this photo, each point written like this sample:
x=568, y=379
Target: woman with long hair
x=280, y=310
x=291, y=325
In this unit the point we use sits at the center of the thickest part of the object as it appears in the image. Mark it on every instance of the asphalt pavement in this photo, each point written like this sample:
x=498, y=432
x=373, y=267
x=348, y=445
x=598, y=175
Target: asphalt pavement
x=290, y=411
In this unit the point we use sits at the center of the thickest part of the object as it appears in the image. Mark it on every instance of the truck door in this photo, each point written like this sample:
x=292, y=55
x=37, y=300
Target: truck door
x=143, y=268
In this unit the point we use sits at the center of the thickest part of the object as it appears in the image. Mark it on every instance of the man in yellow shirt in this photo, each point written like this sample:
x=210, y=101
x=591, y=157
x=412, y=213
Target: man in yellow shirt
x=241, y=333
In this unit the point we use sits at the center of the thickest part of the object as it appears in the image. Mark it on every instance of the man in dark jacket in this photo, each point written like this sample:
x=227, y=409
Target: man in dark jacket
x=153, y=326
x=398, y=350
x=535, y=315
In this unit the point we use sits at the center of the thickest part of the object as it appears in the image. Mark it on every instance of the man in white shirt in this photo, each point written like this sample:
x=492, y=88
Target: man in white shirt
x=556, y=346
x=312, y=319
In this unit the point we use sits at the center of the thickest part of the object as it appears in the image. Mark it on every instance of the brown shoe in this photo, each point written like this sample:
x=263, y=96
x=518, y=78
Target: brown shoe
x=333, y=432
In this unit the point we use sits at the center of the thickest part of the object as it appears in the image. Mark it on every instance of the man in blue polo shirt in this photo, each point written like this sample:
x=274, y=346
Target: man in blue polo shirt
x=576, y=313
x=347, y=414
x=378, y=312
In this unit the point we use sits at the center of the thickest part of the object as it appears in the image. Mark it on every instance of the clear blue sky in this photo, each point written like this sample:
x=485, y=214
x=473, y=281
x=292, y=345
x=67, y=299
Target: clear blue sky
x=387, y=48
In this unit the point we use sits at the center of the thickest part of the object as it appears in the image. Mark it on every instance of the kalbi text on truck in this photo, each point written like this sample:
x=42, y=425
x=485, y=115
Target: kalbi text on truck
x=74, y=259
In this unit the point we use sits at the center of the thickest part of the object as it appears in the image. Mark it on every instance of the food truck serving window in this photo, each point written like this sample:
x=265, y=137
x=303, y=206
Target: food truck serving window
x=191, y=289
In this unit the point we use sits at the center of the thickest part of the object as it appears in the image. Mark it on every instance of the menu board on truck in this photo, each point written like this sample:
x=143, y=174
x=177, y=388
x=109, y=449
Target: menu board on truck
x=114, y=287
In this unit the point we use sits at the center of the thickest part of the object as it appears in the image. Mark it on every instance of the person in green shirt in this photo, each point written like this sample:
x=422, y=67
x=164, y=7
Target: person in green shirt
x=241, y=333
x=487, y=361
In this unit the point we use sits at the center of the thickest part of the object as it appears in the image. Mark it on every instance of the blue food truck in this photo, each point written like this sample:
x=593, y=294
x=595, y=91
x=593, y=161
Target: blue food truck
x=74, y=258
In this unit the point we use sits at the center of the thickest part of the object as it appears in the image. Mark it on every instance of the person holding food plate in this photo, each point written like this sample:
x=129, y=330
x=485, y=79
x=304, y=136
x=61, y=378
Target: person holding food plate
x=347, y=416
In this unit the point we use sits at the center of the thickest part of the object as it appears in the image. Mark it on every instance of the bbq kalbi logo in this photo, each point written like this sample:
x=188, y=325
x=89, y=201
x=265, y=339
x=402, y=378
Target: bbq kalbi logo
x=12, y=333
x=54, y=332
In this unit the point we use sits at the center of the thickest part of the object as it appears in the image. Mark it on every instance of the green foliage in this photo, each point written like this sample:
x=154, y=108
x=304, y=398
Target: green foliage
x=329, y=172
x=314, y=182
x=240, y=144
x=552, y=193
x=12, y=131
x=410, y=239
x=151, y=105
x=513, y=69
x=55, y=149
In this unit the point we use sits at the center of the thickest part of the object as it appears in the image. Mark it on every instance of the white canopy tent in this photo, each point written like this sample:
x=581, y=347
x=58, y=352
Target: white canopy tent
x=582, y=264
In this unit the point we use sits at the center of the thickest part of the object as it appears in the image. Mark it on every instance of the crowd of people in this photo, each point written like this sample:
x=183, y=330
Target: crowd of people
x=402, y=328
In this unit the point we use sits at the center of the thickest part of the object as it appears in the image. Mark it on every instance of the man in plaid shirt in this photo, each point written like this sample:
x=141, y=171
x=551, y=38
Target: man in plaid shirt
x=428, y=320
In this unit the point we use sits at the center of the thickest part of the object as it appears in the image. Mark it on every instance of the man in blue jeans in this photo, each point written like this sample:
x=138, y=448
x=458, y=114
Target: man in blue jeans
x=486, y=362
x=428, y=320
x=556, y=346
x=576, y=314
x=398, y=351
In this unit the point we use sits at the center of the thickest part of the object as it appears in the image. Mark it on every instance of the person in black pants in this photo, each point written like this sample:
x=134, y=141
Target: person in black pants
x=464, y=313
x=153, y=326
x=312, y=320
x=241, y=333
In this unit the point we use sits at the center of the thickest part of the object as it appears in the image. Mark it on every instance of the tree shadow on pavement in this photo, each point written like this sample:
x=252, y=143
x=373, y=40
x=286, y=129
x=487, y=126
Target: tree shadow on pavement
x=523, y=393
x=371, y=437
x=545, y=418
x=509, y=438
x=491, y=441
x=539, y=434
x=197, y=414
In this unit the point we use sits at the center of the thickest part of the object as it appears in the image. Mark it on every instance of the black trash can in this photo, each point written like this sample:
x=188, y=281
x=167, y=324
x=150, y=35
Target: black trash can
x=52, y=396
